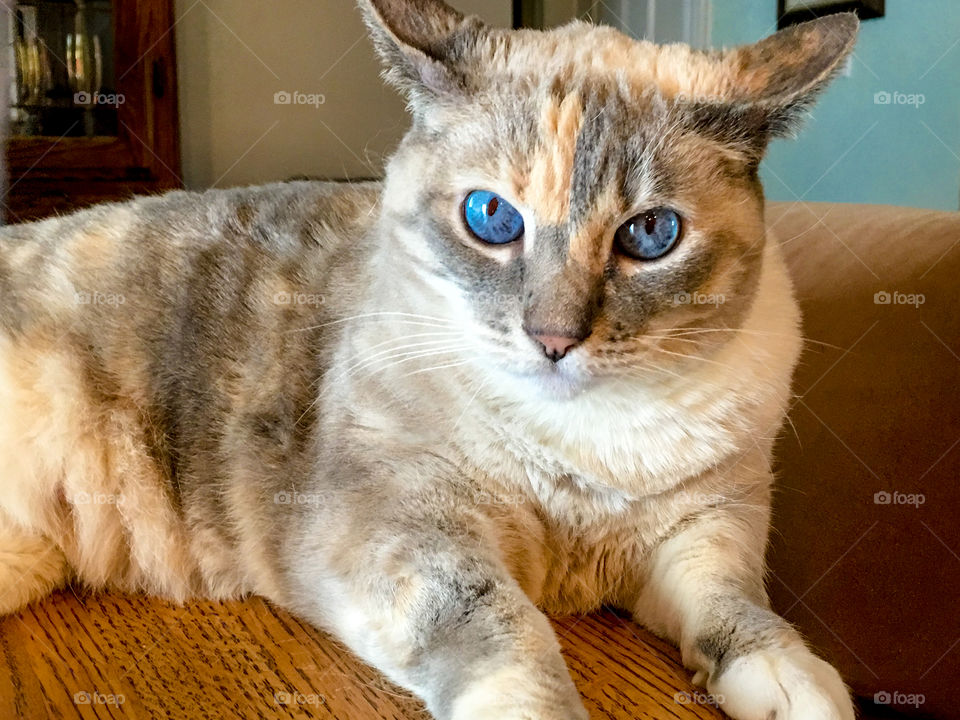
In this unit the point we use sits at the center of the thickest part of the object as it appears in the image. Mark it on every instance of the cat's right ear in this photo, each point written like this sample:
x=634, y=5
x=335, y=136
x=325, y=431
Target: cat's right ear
x=422, y=44
x=767, y=88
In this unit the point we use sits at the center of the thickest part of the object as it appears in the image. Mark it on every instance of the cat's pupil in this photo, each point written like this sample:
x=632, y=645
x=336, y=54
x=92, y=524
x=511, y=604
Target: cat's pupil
x=650, y=235
x=650, y=223
x=492, y=207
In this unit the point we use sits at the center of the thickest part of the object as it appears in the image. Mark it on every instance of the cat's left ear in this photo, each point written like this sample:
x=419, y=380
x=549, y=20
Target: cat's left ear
x=423, y=44
x=770, y=85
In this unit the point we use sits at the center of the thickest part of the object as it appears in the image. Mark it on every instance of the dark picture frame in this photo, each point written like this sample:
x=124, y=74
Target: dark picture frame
x=789, y=14
x=528, y=14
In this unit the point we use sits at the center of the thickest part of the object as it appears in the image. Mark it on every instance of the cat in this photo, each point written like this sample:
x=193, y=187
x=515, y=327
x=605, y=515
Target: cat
x=539, y=369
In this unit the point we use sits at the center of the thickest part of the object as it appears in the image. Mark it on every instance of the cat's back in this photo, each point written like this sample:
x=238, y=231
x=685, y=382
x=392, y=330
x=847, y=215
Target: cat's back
x=182, y=249
x=182, y=214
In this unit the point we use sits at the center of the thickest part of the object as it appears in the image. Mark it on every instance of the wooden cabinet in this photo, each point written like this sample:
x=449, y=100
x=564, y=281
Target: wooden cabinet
x=94, y=118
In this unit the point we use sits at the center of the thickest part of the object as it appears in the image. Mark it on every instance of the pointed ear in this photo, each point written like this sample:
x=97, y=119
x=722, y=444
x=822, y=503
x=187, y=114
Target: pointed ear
x=786, y=72
x=771, y=84
x=421, y=43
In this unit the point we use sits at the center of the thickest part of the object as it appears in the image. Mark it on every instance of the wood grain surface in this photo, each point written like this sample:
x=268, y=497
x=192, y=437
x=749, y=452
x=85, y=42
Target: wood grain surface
x=114, y=656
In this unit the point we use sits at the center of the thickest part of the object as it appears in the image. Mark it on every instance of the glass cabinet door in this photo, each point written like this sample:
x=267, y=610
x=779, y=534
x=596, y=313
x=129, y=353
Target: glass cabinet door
x=93, y=102
x=65, y=82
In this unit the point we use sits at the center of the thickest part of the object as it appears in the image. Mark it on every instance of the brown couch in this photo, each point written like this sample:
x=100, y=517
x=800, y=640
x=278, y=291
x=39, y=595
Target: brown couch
x=865, y=556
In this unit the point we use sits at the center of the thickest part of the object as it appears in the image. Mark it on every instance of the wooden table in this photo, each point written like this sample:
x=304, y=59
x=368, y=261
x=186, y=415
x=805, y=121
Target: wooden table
x=113, y=656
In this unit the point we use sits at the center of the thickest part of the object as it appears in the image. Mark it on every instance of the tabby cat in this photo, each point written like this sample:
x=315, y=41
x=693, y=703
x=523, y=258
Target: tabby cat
x=539, y=369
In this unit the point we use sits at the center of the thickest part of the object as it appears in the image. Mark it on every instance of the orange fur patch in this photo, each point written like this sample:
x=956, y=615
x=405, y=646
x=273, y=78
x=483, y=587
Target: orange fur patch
x=77, y=474
x=548, y=191
x=591, y=242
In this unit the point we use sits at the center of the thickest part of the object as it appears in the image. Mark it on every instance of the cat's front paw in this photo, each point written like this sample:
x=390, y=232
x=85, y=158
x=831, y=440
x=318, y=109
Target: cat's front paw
x=521, y=693
x=782, y=683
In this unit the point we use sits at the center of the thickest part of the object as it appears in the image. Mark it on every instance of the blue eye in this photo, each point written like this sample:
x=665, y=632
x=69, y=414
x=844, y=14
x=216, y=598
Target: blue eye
x=650, y=235
x=491, y=218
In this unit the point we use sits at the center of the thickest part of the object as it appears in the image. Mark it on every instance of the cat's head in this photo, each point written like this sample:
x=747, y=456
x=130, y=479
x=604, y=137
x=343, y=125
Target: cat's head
x=573, y=196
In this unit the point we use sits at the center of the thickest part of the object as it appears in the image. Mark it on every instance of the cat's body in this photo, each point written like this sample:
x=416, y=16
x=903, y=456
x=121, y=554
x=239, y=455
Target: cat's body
x=109, y=283
x=334, y=397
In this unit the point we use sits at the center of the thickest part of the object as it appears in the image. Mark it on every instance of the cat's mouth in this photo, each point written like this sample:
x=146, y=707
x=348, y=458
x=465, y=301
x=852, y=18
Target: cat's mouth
x=561, y=380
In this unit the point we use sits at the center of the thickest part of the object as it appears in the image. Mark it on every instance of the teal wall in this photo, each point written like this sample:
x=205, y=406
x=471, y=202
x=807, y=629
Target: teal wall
x=852, y=149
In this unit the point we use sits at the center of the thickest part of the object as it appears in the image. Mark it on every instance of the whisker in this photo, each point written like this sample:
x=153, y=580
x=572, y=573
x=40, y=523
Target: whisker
x=384, y=315
x=404, y=357
x=436, y=367
x=693, y=357
x=443, y=337
x=408, y=351
x=638, y=371
x=467, y=407
x=447, y=337
x=445, y=333
x=681, y=332
x=709, y=361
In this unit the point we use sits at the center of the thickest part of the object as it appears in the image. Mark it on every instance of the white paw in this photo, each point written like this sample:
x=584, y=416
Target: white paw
x=518, y=692
x=782, y=684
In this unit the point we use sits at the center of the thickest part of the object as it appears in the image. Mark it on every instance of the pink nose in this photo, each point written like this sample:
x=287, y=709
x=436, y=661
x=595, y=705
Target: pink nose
x=556, y=347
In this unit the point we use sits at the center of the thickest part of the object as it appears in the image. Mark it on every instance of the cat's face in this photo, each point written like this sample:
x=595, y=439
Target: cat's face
x=587, y=205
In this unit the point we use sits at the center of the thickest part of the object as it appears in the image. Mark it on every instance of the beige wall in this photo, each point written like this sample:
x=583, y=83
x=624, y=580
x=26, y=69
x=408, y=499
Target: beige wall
x=560, y=12
x=495, y=12
x=234, y=56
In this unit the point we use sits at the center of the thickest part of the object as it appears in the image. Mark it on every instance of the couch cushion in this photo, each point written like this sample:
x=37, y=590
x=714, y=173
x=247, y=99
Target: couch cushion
x=865, y=555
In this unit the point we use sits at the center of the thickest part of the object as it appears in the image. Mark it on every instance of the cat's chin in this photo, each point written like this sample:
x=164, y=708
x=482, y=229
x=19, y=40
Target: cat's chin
x=565, y=380
x=558, y=384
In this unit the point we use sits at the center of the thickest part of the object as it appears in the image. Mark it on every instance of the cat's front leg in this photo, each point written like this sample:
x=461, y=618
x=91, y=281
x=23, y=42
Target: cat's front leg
x=412, y=581
x=704, y=591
